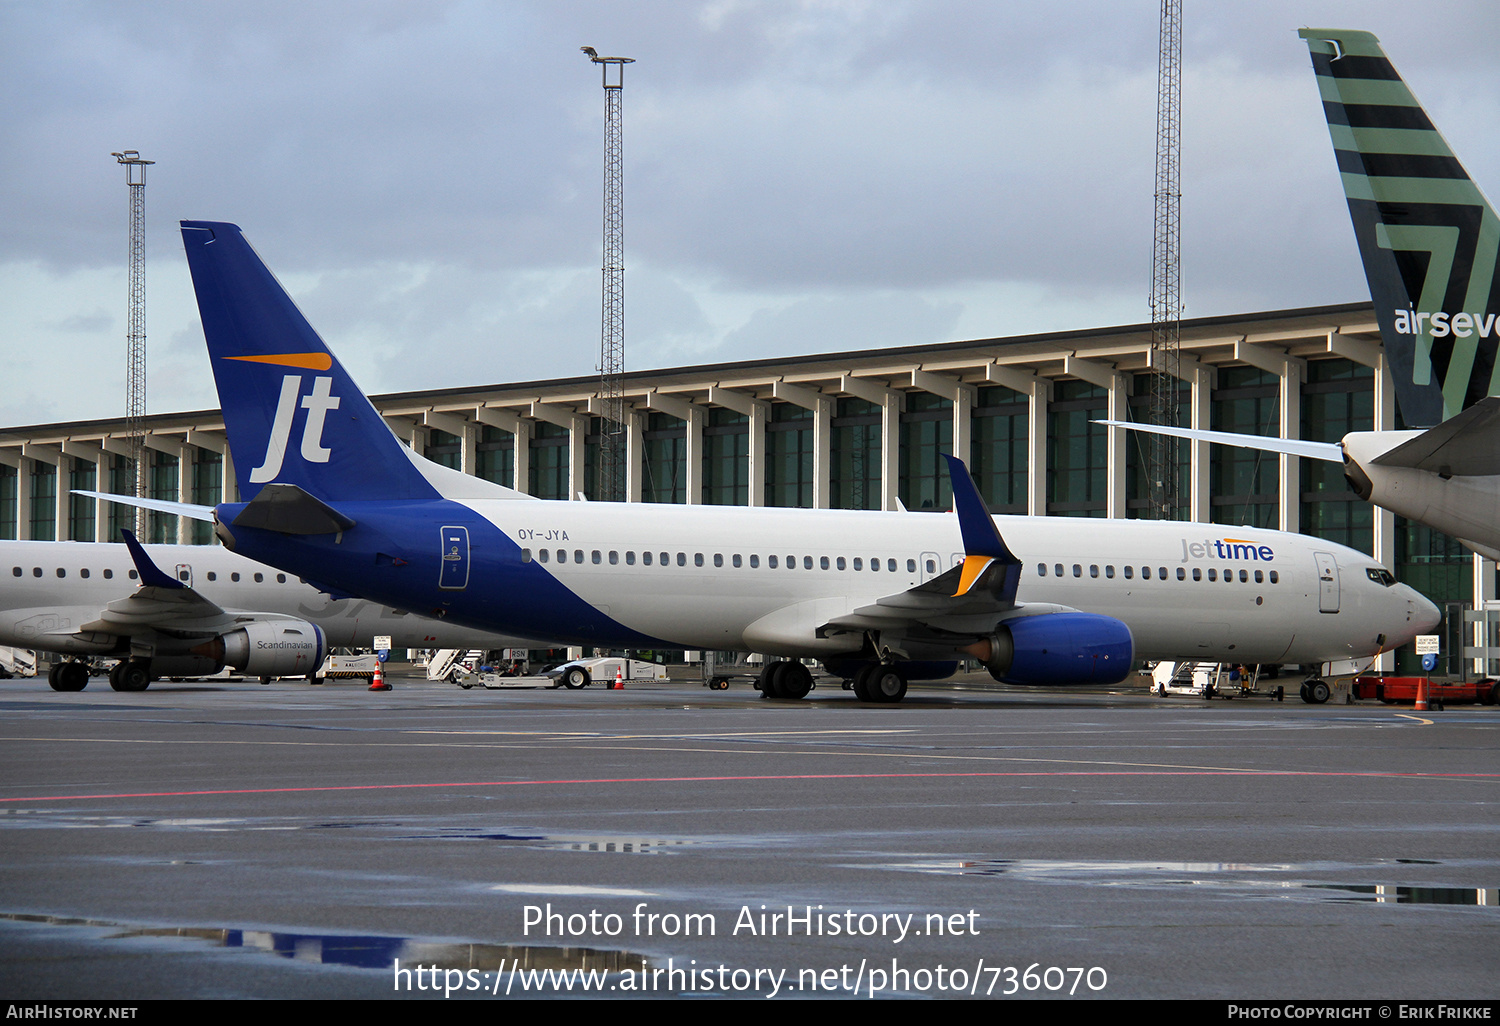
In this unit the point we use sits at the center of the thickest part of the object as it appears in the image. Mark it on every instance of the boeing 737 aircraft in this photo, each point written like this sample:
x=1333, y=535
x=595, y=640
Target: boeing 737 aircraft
x=81, y=599
x=881, y=598
x=1430, y=244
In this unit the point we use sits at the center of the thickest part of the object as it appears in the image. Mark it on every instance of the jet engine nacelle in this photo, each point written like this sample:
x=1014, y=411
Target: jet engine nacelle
x=1059, y=648
x=275, y=648
x=264, y=648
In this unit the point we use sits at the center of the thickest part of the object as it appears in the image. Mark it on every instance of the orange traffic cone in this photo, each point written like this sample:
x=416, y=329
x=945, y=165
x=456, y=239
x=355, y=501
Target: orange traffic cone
x=619, y=679
x=1421, y=705
x=377, y=683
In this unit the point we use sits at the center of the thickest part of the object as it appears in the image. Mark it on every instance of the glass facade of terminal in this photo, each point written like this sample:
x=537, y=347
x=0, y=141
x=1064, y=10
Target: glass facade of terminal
x=1240, y=487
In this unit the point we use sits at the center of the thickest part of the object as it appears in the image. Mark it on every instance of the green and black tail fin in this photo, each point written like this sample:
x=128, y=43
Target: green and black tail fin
x=1428, y=238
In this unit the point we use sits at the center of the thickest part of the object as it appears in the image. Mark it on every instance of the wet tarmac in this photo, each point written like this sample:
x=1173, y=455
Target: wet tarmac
x=238, y=840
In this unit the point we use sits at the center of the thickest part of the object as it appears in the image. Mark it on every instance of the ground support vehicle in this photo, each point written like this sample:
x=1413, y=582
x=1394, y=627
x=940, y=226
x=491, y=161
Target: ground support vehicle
x=1440, y=690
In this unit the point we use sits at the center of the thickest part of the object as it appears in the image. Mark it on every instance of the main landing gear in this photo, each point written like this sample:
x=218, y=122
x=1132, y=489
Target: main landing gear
x=879, y=683
x=875, y=682
x=69, y=676
x=784, y=679
x=130, y=675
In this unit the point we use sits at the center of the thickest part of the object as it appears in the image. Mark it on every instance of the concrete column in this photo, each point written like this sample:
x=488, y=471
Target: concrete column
x=1105, y=376
x=756, y=492
x=891, y=403
x=229, y=484
x=522, y=461
x=1292, y=371
x=1038, y=392
x=822, y=411
x=98, y=457
x=176, y=447
x=520, y=433
x=756, y=411
x=185, y=466
x=23, y=499
x=635, y=455
x=1200, y=469
x=215, y=441
x=119, y=447
x=577, y=427
x=52, y=457
x=64, y=505
x=12, y=458
x=693, y=416
x=1484, y=596
x=1371, y=355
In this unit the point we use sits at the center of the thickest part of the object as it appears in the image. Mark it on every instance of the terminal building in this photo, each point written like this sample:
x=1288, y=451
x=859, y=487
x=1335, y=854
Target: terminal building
x=861, y=430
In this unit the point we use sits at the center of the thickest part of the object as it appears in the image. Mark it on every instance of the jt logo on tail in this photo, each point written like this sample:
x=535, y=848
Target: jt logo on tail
x=317, y=404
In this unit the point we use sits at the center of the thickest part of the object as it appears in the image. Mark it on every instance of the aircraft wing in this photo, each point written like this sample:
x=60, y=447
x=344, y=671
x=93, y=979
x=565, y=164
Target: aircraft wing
x=162, y=603
x=983, y=585
x=1465, y=445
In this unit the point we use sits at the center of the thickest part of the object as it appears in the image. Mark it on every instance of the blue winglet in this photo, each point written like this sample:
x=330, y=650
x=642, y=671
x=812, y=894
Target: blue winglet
x=152, y=576
x=981, y=537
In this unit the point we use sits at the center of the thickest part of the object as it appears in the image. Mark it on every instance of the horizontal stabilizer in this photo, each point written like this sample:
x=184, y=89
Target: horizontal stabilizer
x=1466, y=445
x=1332, y=452
x=181, y=509
x=290, y=510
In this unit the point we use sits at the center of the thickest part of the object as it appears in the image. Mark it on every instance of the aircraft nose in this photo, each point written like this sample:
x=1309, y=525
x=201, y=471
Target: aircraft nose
x=1425, y=616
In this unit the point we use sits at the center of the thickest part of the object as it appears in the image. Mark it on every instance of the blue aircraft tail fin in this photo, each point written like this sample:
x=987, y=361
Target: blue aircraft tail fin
x=1428, y=238
x=292, y=413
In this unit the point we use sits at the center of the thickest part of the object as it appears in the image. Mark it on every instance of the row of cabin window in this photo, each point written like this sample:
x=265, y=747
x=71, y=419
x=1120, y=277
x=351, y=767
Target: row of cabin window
x=1161, y=573
x=736, y=560
x=36, y=571
x=109, y=575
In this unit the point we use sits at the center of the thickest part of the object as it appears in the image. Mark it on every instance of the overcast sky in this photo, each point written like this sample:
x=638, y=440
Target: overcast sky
x=800, y=177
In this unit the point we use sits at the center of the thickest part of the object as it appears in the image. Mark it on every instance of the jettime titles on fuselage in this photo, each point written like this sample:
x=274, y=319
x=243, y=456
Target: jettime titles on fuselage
x=1226, y=548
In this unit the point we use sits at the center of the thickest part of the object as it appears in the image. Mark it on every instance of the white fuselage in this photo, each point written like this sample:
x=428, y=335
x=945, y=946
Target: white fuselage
x=48, y=590
x=1244, y=594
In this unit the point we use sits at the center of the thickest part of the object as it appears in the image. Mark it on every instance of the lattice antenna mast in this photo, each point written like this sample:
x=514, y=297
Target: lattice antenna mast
x=612, y=447
x=135, y=333
x=1166, y=284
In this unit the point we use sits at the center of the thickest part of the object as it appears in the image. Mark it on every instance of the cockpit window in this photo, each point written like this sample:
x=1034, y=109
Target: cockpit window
x=1381, y=576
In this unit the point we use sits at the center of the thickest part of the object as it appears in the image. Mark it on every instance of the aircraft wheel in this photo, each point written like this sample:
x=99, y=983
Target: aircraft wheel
x=887, y=685
x=1317, y=692
x=795, y=681
x=862, y=682
x=770, y=679
x=718, y=684
x=130, y=676
x=1303, y=693
x=576, y=678
x=70, y=676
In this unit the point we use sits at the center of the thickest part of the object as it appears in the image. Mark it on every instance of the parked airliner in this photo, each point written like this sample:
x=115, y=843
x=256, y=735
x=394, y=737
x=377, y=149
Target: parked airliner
x=187, y=610
x=1430, y=245
x=881, y=598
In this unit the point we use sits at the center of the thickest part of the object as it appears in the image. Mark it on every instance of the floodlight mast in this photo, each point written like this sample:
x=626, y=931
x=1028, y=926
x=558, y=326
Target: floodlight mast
x=135, y=332
x=1166, y=282
x=612, y=442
